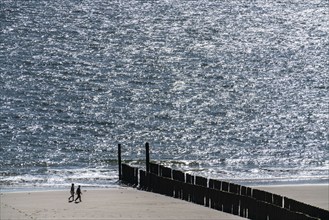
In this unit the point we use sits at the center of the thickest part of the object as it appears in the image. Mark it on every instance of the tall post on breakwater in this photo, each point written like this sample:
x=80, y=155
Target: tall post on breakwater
x=119, y=161
x=147, y=149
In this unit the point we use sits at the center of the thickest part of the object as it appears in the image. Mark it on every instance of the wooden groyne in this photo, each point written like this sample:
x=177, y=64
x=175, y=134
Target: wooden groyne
x=216, y=194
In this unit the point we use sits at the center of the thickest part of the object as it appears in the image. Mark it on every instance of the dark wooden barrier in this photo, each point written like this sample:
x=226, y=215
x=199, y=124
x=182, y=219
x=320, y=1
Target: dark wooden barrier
x=258, y=194
x=215, y=184
x=119, y=161
x=143, y=183
x=165, y=171
x=189, y=179
x=178, y=175
x=201, y=181
x=225, y=186
x=154, y=168
x=277, y=200
x=129, y=175
x=220, y=195
x=234, y=188
x=297, y=206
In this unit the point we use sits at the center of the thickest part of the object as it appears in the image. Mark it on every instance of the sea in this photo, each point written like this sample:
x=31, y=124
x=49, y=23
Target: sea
x=236, y=90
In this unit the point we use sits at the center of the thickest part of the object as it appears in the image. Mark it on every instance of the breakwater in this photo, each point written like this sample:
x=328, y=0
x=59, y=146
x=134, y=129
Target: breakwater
x=220, y=195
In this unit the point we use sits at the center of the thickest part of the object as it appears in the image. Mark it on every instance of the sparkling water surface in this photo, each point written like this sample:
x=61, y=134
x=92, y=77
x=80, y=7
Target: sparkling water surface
x=234, y=90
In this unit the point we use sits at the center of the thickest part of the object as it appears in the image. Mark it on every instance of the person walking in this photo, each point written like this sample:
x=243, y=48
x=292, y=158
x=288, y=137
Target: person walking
x=79, y=193
x=72, y=193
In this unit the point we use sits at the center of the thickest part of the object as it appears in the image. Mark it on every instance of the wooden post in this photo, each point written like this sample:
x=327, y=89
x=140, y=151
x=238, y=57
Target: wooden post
x=147, y=148
x=119, y=161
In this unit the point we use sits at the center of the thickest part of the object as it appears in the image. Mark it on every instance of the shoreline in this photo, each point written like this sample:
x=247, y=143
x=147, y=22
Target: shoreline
x=118, y=186
x=51, y=189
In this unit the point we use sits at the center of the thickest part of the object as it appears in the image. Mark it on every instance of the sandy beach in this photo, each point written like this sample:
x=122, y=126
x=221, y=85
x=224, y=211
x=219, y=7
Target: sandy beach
x=122, y=203
x=129, y=203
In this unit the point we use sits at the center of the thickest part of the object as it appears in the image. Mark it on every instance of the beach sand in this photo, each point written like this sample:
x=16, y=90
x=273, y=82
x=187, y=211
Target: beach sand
x=129, y=203
x=122, y=203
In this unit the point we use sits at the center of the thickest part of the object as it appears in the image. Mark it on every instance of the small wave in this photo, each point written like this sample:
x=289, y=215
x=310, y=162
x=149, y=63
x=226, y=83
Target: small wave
x=63, y=177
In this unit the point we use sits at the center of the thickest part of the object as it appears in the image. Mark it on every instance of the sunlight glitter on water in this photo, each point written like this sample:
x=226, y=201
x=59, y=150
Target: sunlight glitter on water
x=230, y=89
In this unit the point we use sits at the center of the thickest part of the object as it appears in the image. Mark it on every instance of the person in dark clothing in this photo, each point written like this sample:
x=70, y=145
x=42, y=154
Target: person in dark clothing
x=79, y=193
x=72, y=193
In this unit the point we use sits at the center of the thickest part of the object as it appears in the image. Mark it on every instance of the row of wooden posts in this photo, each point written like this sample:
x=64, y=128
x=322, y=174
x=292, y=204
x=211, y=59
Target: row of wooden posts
x=220, y=195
